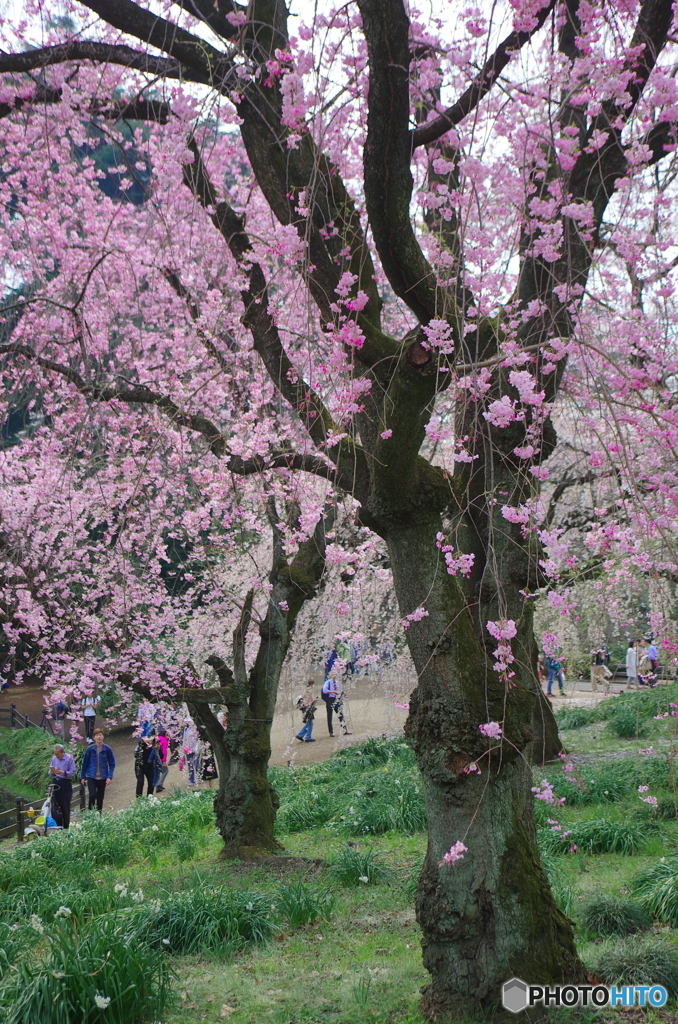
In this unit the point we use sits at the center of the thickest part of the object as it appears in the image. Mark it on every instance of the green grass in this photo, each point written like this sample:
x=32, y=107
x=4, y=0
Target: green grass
x=297, y=941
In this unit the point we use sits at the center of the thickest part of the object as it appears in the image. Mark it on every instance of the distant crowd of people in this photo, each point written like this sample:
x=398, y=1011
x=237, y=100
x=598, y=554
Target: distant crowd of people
x=641, y=665
x=158, y=747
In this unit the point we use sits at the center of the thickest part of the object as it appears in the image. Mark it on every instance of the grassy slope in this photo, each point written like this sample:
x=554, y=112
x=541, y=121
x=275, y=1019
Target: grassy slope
x=365, y=962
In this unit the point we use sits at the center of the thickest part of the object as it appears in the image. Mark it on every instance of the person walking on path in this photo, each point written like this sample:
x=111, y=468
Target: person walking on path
x=306, y=705
x=62, y=769
x=147, y=765
x=600, y=673
x=163, y=753
x=329, y=694
x=98, y=766
x=631, y=667
x=555, y=671
x=652, y=655
x=89, y=713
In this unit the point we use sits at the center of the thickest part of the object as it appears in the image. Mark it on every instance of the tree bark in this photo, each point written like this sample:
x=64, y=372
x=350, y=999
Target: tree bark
x=246, y=803
x=490, y=916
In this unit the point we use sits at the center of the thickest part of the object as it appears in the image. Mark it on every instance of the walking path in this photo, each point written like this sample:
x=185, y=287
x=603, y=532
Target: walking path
x=370, y=711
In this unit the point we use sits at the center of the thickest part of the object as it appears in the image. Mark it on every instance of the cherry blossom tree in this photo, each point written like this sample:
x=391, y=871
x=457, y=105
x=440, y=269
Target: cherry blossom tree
x=399, y=232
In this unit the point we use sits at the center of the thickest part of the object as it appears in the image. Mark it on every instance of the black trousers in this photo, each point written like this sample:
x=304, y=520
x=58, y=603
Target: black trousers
x=329, y=704
x=89, y=725
x=62, y=798
x=147, y=772
x=97, y=788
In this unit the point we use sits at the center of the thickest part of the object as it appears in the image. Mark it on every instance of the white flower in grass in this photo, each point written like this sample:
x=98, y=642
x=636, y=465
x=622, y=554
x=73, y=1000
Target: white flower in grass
x=58, y=974
x=36, y=923
x=121, y=889
x=154, y=828
x=196, y=794
x=101, y=1002
x=363, y=878
x=138, y=896
x=249, y=906
x=63, y=912
x=165, y=942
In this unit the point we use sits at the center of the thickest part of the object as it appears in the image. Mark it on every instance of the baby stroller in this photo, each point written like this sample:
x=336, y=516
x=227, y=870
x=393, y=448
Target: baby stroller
x=42, y=824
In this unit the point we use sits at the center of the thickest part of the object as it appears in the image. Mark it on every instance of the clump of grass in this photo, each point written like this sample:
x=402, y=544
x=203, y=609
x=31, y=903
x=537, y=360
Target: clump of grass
x=102, y=972
x=353, y=867
x=627, y=722
x=614, y=915
x=211, y=920
x=300, y=905
x=656, y=888
x=575, y=718
x=185, y=846
x=30, y=751
x=666, y=808
x=411, y=883
x=638, y=961
x=597, y=835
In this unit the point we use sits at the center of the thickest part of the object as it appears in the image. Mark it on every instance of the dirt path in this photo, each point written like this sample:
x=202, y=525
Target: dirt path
x=370, y=711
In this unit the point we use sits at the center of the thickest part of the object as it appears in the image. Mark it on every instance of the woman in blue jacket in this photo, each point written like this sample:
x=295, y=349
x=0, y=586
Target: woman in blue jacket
x=98, y=766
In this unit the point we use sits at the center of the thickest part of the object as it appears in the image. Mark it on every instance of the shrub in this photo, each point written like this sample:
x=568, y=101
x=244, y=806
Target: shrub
x=352, y=867
x=300, y=905
x=614, y=915
x=103, y=972
x=97, y=840
x=656, y=888
x=211, y=920
x=598, y=835
x=646, y=960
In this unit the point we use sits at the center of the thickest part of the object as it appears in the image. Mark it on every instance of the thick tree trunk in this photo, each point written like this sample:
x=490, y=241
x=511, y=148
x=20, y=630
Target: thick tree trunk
x=490, y=916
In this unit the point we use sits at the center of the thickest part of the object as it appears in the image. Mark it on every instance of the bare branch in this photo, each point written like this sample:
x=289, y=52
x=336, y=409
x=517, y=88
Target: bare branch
x=387, y=155
x=427, y=133
x=99, y=53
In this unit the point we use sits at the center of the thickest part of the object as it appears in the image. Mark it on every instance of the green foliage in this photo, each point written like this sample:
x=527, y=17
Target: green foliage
x=299, y=905
x=30, y=751
x=104, y=971
x=608, y=781
x=644, y=705
x=211, y=920
x=372, y=788
x=657, y=889
x=16, y=941
x=646, y=960
x=627, y=722
x=411, y=883
x=614, y=915
x=666, y=808
x=597, y=835
x=185, y=846
x=353, y=867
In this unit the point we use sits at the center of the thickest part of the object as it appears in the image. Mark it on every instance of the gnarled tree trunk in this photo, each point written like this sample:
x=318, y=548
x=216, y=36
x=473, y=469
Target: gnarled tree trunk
x=246, y=802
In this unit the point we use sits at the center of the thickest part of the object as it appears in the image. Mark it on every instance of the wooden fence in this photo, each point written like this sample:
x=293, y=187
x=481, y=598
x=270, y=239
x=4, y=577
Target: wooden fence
x=15, y=820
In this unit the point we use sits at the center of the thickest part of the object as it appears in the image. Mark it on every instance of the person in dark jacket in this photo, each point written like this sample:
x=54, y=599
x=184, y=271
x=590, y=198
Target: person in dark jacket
x=306, y=705
x=147, y=765
x=98, y=766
